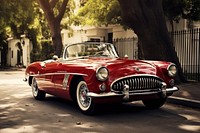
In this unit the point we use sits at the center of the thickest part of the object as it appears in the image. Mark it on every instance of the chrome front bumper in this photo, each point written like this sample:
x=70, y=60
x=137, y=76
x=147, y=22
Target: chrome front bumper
x=164, y=91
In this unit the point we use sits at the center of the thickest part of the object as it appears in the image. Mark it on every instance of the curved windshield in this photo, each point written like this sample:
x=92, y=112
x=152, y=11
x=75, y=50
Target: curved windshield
x=90, y=50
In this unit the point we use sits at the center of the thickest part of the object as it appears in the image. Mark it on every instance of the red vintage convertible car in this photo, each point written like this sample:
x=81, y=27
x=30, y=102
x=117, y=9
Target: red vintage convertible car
x=91, y=73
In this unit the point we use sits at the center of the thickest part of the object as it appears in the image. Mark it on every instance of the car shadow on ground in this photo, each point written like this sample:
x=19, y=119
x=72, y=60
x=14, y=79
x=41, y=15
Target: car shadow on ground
x=102, y=109
x=63, y=115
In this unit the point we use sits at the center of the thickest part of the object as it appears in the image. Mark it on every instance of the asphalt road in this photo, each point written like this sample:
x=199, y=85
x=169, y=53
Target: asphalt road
x=20, y=113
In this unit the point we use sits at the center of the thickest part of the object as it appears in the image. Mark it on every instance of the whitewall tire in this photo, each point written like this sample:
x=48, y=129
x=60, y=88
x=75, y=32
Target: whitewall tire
x=37, y=93
x=84, y=102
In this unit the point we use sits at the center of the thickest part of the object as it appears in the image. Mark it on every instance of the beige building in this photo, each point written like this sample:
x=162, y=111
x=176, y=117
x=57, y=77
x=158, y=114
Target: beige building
x=15, y=57
x=109, y=34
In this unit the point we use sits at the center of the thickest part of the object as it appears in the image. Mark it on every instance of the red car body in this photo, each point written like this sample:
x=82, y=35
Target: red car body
x=90, y=80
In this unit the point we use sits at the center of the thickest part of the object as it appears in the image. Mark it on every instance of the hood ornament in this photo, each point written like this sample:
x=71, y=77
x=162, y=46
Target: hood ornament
x=137, y=69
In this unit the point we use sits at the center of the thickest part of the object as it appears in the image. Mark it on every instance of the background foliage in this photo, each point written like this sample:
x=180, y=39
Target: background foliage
x=19, y=17
x=106, y=12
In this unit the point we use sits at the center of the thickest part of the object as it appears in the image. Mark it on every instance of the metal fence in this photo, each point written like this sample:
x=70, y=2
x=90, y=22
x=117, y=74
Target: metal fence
x=127, y=46
x=187, y=46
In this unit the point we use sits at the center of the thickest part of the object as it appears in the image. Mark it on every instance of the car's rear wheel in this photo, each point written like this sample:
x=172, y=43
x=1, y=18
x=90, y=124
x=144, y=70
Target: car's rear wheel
x=154, y=103
x=37, y=93
x=85, y=103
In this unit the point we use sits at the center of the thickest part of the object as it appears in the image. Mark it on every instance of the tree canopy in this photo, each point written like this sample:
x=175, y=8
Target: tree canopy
x=100, y=12
x=22, y=17
x=25, y=16
x=176, y=9
x=17, y=16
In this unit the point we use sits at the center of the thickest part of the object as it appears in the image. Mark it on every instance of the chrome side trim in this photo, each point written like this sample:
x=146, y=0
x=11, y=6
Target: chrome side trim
x=58, y=73
x=110, y=94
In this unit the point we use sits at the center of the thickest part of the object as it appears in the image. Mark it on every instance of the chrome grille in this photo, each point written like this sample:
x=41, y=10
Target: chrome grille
x=137, y=83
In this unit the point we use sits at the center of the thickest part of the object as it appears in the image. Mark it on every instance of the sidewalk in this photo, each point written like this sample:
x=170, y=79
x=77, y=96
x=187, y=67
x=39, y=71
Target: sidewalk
x=11, y=68
x=188, y=95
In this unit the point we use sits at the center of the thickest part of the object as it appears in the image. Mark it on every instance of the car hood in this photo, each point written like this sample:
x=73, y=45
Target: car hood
x=118, y=67
x=121, y=68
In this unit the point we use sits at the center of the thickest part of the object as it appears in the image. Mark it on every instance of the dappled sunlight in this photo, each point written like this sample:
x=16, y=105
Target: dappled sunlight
x=88, y=125
x=22, y=95
x=21, y=113
x=6, y=98
x=185, y=93
x=57, y=115
x=7, y=105
x=9, y=111
x=192, y=124
x=3, y=115
x=12, y=81
x=191, y=118
x=63, y=115
x=22, y=129
x=192, y=128
x=19, y=109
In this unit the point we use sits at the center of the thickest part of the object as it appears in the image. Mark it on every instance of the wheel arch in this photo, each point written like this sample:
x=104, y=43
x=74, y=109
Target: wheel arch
x=30, y=80
x=73, y=84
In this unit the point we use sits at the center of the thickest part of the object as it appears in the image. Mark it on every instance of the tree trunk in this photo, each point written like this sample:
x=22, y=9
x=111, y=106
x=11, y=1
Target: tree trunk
x=147, y=19
x=172, y=31
x=56, y=37
x=54, y=20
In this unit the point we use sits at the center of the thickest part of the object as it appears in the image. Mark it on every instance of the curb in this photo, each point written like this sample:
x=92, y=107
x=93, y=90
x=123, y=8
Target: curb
x=184, y=101
x=12, y=69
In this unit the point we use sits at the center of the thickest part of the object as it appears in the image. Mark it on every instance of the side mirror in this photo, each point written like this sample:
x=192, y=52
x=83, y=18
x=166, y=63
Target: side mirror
x=55, y=57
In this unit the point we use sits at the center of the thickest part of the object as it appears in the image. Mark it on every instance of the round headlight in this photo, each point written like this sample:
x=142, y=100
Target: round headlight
x=102, y=73
x=172, y=70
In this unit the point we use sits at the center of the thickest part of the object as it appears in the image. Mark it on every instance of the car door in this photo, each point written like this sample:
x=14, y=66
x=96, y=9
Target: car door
x=46, y=79
x=60, y=80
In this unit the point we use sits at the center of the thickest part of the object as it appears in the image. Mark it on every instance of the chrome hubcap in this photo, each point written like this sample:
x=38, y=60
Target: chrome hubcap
x=85, y=101
x=34, y=87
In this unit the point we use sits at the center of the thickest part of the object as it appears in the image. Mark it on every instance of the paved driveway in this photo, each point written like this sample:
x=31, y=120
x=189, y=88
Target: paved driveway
x=20, y=113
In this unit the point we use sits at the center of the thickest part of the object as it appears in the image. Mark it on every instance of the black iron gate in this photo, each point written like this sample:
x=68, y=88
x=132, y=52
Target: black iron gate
x=187, y=46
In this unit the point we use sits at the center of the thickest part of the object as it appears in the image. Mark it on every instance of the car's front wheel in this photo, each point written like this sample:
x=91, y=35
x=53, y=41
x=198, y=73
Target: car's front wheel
x=37, y=94
x=154, y=103
x=85, y=103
